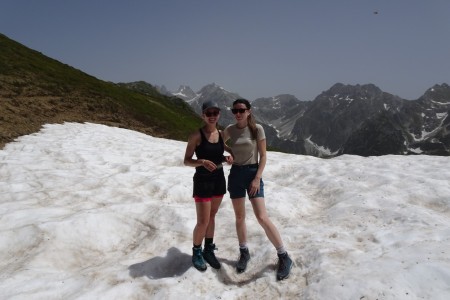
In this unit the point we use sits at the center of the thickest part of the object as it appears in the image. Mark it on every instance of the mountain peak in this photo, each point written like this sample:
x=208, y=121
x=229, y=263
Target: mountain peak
x=341, y=91
x=438, y=93
x=185, y=92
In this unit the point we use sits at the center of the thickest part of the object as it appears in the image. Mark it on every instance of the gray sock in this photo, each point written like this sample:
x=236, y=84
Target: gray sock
x=281, y=250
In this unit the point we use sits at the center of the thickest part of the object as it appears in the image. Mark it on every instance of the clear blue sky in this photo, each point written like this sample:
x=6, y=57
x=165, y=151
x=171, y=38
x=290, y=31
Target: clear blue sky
x=256, y=48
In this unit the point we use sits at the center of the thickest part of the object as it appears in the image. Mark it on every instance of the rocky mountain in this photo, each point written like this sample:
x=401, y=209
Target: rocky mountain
x=217, y=93
x=364, y=120
x=381, y=134
x=332, y=117
x=346, y=119
x=420, y=126
x=186, y=93
x=280, y=112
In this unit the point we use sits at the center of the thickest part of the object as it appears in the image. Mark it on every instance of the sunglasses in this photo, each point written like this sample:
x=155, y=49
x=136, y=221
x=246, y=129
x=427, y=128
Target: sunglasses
x=214, y=113
x=238, y=110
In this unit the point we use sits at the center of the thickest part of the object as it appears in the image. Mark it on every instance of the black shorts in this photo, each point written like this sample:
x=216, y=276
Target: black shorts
x=207, y=185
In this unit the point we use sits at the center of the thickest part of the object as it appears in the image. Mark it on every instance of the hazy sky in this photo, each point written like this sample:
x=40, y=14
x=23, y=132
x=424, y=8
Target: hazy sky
x=256, y=48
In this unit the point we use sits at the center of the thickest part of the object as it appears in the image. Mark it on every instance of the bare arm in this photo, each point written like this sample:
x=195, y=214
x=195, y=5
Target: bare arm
x=225, y=137
x=262, y=158
x=193, y=142
x=254, y=185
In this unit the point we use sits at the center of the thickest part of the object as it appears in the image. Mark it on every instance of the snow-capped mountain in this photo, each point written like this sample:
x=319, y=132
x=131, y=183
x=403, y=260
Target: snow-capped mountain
x=186, y=93
x=332, y=117
x=345, y=119
x=363, y=120
x=419, y=126
x=280, y=112
x=220, y=95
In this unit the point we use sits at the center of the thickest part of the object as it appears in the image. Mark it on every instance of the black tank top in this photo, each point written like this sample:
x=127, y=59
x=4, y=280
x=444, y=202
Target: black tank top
x=209, y=151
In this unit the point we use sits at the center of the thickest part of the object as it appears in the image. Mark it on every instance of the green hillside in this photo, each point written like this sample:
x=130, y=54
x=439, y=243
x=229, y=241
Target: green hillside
x=36, y=89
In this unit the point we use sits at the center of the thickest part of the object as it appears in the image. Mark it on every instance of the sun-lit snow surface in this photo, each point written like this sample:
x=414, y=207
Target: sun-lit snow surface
x=93, y=212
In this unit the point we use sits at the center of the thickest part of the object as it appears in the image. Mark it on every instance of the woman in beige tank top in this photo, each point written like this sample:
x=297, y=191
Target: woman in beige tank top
x=248, y=146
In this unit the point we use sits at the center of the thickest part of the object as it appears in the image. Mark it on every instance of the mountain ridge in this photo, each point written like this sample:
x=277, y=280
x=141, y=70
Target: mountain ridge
x=345, y=119
x=344, y=115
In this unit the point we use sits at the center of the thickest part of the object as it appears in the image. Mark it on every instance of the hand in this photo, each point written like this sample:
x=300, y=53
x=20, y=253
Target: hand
x=254, y=187
x=229, y=159
x=209, y=165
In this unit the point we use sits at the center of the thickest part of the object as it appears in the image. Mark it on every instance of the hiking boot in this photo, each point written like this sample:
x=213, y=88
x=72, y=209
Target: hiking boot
x=284, y=266
x=197, y=259
x=210, y=257
x=243, y=260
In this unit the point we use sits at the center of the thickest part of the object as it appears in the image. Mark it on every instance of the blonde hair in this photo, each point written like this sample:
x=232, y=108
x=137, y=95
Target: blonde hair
x=250, y=119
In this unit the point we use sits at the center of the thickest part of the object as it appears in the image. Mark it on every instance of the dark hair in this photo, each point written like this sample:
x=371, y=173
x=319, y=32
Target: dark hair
x=250, y=120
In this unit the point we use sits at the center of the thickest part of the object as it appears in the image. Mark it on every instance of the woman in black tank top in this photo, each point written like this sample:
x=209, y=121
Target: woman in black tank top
x=209, y=183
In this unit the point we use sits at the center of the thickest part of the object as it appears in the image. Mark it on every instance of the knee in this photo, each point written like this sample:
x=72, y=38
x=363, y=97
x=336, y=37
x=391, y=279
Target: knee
x=213, y=213
x=203, y=223
x=263, y=219
x=240, y=218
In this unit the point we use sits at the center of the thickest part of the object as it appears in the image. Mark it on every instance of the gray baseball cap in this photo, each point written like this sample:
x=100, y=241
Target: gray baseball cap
x=209, y=104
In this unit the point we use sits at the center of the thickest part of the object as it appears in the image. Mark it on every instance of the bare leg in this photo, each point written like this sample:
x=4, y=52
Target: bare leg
x=259, y=208
x=203, y=212
x=215, y=204
x=239, y=212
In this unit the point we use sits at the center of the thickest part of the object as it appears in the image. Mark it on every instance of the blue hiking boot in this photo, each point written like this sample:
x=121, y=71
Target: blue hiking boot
x=197, y=259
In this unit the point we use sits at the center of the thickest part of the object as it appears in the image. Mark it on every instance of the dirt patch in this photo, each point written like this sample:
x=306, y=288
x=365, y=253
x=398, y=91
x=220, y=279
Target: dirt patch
x=22, y=115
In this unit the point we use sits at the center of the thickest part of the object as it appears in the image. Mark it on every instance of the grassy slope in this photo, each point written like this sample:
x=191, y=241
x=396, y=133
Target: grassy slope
x=35, y=90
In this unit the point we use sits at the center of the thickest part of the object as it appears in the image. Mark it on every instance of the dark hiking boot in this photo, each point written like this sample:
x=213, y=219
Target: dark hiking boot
x=210, y=257
x=197, y=259
x=284, y=266
x=243, y=260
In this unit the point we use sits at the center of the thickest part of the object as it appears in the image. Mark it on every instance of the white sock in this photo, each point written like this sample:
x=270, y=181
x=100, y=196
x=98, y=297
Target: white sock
x=243, y=246
x=281, y=250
